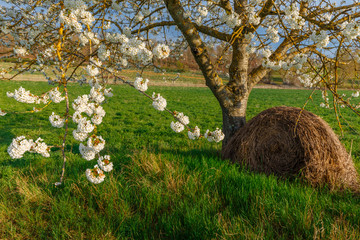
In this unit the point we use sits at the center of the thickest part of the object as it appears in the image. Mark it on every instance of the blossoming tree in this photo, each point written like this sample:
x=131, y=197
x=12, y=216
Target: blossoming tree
x=85, y=39
x=289, y=34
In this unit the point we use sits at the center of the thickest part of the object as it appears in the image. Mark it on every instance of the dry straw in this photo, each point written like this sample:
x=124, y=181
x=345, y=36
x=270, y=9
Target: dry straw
x=283, y=142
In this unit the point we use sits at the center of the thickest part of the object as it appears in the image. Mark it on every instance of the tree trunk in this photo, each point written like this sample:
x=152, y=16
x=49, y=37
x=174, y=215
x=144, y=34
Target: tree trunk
x=234, y=114
x=234, y=118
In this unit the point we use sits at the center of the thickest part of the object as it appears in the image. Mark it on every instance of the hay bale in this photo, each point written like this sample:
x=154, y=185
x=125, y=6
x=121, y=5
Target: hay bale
x=274, y=142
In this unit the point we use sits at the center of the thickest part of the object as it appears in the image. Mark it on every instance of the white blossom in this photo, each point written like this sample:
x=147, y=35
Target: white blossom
x=95, y=175
x=96, y=95
x=266, y=52
x=293, y=18
x=81, y=104
x=40, y=147
x=92, y=70
x=77, y=117
x=2, y=113
x=87, y=153
x=177, y=126
x=96, y=119
x=103, y=53
x=21, y=145
x=99, y=110
x=105, y=164
x=56, y=120
x=96, y=142
x=74, y=4
x=20, y=51
x=215, y=136
x=231, y=20
x=161, y=51
x=195, y=134
x=182, y=118
x=322, y=39
x=139, y=17
x=55, y=96
x=351, y=30
x=116, y=6
x=127, y=31
x=255, y=2
x=159, y=103
x=21, y=95
x=141, y=84
x=203, y=11
x=18, y=147
x=273, y=34
x=187, y=14
x=80, y=136
x=85, y=126
x=355, y=94
x=108, y=92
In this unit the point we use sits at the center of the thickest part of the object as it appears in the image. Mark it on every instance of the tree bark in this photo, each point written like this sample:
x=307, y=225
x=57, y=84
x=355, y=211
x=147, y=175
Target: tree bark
x=234, y=115
x=233, y=119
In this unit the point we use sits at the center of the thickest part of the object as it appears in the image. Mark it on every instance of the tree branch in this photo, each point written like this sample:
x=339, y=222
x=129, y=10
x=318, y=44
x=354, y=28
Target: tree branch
x=199, y=51
x=154, y=25
x=213, y=33
x=201, y=28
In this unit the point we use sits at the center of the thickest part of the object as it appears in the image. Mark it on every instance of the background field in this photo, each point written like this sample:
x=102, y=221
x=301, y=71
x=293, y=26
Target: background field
x=163, y=185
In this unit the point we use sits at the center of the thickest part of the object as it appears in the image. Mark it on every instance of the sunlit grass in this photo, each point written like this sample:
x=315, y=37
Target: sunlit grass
x=163, y=184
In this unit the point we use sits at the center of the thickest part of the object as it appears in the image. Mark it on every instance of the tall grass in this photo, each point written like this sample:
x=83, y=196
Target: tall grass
x=163, y=185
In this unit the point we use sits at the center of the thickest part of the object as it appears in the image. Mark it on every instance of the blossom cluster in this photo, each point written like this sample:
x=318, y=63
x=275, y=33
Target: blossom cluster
x=273, y=34
x=195, y=134
x=96, y=175
x=141, y=84
x=215, y=136
x=322, y=39
x=24, y=96
x=309, y=80
x=20, y=145
x=252, y=16
x=136, y=50
x=56, y=120
x=161, y=51
x=293, y=18
x=77, y=13
x=232, y=20
x=351, y=30
x=93, y=68
x=55, y=96
x=159, y=103
x=90, y=105
x=20, y=51
x=297, y=62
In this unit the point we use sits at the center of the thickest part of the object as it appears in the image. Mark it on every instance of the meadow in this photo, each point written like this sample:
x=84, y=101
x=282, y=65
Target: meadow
x=164, y=185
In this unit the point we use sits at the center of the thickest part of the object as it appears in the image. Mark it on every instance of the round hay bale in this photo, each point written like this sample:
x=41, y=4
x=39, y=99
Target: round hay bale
x=287, y=142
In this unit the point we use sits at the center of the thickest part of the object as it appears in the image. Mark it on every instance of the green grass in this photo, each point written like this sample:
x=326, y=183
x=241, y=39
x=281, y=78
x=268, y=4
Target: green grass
x=163, y=184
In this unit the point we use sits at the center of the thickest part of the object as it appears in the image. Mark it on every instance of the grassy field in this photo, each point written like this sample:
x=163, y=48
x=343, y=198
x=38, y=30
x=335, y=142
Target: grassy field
x=170, y=77
x=163, y=184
